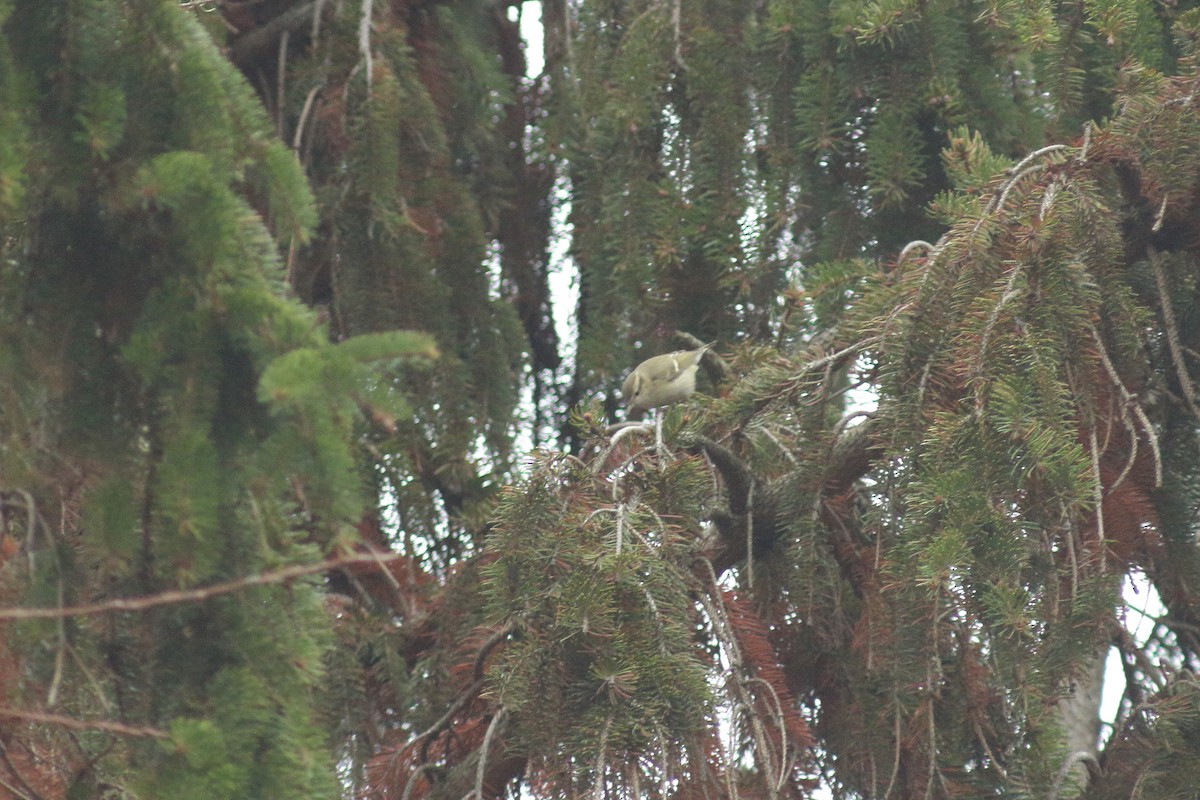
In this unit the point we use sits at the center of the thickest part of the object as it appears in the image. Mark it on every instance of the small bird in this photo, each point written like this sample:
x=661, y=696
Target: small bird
x=663, y=380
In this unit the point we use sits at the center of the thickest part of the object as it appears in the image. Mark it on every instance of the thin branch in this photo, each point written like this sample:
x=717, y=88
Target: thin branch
x=1079, y=757
x=995, y=762
x=598, y=786
x=25, y=791
x=1018, y=171
x=483, y=751
x=485, y=649
x=750, y=536
x=174, y=596
x=1048, y=197
x=298, y=136
x=316, y=22
x=1011, y=291
x=896, y=751
x=845, y=351
x=1131, y=402
x=281, y=82
x=1051, y=148
x=1162, y=213
x=785, y=452
x=1087, y=140
x=15, y=792
x=364, y=39
x=74, y=724
x=675, y=26
x=412, y=779
x=781, y=724
x=429, y=734
x=913, y=245
x=1098, y=498
x=1172, y=331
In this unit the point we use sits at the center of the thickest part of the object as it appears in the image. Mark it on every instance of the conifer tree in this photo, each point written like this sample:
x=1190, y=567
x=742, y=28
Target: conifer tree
x=172, y=421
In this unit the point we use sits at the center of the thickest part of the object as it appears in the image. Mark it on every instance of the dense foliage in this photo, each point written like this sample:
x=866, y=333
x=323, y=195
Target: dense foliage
x=277, y=324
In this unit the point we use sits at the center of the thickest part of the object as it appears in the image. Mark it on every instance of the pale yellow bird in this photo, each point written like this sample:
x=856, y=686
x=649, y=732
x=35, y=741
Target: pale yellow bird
x=663, y=380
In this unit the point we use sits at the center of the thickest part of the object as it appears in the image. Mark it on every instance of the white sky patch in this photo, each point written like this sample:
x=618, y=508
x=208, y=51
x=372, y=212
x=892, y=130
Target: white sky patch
x=531, y=31
x=1143, y=608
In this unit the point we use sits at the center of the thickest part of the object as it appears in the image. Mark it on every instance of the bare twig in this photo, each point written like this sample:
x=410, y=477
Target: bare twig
x=750, y=536
x=1010, y=293
x=913, y=245
x=1080, y=757
x=1130, y=402
x=598, y=786
x=25, y=791
x=675, y=26
x=484, y=748
x=1160, y=216
x=1172, y=331
x=429, y=734
x=281, y=82
x=412, y=779
x=1087, y=140
x=840, y=354
x=298, y=136
x=485, y=649
x=72, y=723
x=1098, y=498
x=364, y=39
x=174, y=596
x=781, y=724
x=896, y=750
